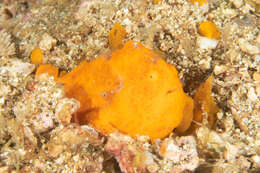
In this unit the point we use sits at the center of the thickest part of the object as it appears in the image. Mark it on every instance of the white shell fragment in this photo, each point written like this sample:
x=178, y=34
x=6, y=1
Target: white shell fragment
x=206, y=43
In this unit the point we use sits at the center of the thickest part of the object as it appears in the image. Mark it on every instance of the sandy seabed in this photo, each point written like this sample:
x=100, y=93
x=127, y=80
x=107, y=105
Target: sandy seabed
x=35, y=130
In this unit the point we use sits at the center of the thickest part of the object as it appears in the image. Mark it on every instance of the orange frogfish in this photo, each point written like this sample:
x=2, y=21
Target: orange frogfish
x=133, y=91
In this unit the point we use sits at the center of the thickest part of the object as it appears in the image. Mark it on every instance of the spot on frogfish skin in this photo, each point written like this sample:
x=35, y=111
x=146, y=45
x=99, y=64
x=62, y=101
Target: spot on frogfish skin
x=108, y=95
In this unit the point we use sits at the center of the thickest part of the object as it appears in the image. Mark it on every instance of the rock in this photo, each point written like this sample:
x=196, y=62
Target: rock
x=237, y=3
x=7, y=48
x=252, y=95
x=130, y=157
x=205, y=63
x=230, y=13
x=16, y=71
x=36, y=107
x=257, y=58
x=245, y=46
x=256, y=159
x=231, y=152
x=65, y=108
x=71, y=137
x=256, y=77
x=258, y=39
x=47, y=42
x=180, y=151
x=219, y=69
